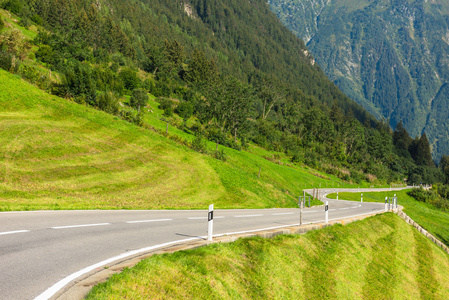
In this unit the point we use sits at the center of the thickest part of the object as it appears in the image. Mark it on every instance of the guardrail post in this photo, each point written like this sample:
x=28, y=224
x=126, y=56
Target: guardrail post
x=326, y=213
x=300, y=210
x=210, y=219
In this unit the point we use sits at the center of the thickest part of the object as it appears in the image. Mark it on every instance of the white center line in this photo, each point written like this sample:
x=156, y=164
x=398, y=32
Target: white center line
x=281, y=214
x=204, y=218
x=77, y=226
x=12, y=232
x=147, y=221
x=247, y=216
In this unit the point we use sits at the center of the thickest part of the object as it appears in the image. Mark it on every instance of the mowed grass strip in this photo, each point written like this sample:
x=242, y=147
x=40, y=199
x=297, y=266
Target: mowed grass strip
x=378, y=258
x=56, y=154
x=429, y=217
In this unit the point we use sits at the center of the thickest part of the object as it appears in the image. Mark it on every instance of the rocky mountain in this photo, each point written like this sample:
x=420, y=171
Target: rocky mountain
x=392, y=57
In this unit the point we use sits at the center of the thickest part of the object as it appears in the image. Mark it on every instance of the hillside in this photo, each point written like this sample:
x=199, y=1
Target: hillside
x=389, y=56
x=57, y=154
x=381, y=257
x=227, y=72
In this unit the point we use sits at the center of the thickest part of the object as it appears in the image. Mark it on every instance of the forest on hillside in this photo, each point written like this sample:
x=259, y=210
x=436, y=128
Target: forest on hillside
x=229, y=67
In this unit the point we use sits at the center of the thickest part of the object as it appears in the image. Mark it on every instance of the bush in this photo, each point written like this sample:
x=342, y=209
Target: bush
x=129, y=79
x=107, y=102
x=25, y=22
x=2, y=23
x=138, y=99
x=37, y=19
x=199, y=144
x=220, y=154
x=167, y=106
x=36, y=77
x=6, y=62
x=161, y=89
x=185, y=110
x=45, y=54
x=356, y=176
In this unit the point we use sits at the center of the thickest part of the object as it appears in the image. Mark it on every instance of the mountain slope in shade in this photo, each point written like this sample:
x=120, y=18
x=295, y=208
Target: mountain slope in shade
x=390, y=56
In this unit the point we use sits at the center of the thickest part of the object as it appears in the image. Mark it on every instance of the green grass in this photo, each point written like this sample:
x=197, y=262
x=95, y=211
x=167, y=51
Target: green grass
x=56, y=154
x=429, y=217
x=378, y=258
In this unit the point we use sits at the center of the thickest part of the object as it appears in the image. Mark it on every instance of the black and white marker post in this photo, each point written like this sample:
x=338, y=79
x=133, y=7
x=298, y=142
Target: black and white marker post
x=386, y=204
x=210, y=219
x=326, y=212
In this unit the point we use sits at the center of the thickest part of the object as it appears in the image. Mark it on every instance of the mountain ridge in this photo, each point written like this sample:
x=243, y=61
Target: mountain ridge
x=389, y=57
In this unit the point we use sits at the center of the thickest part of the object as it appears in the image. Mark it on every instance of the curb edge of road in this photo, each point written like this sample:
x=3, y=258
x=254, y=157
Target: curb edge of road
x=80, y=287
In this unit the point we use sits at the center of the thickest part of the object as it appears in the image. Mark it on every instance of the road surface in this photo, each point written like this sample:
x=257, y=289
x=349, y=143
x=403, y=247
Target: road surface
x=38, y=249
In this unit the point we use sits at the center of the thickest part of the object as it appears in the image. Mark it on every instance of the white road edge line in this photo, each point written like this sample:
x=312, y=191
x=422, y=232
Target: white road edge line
x=12, y=232
x=51, y=291
x=147, y=221
x=78, y=226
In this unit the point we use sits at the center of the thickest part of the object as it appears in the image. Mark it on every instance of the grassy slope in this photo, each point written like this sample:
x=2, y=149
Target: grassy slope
x=378, y=258
x=56, y=154
x=432, y=219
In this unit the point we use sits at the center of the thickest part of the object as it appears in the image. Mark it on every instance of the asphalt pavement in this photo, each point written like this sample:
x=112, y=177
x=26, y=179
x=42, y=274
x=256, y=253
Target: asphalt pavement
x=41, y=248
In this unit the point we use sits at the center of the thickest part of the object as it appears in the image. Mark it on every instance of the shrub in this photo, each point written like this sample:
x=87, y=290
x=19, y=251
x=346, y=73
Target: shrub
x=199, y=144
x=25, y=22
x=129, y=78
x=36, y=77
x=161, y=89
x=6, y=62
x=185, y=110
x=220, y=154
x=139, y=99
x=107, y=102
x=45, y=54
x=167, y=106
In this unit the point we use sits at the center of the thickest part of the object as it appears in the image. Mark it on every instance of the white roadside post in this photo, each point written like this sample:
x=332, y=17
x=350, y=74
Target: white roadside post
x=300, y=211
x=210, y=218
x=361, y=198
x=337, y=195
x=386, y=204
x=326, y=214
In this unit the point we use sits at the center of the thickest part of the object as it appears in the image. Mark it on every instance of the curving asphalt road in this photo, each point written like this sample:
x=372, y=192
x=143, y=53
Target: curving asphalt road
x=39, y=249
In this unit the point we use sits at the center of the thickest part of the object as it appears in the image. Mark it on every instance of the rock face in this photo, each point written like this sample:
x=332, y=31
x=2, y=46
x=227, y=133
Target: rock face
x=391, y=56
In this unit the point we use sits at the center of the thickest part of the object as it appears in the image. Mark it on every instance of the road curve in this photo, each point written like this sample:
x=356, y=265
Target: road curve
x=39, y=249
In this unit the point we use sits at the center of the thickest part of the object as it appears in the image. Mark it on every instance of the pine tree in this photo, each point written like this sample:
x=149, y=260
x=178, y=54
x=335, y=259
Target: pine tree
x=423, y=154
